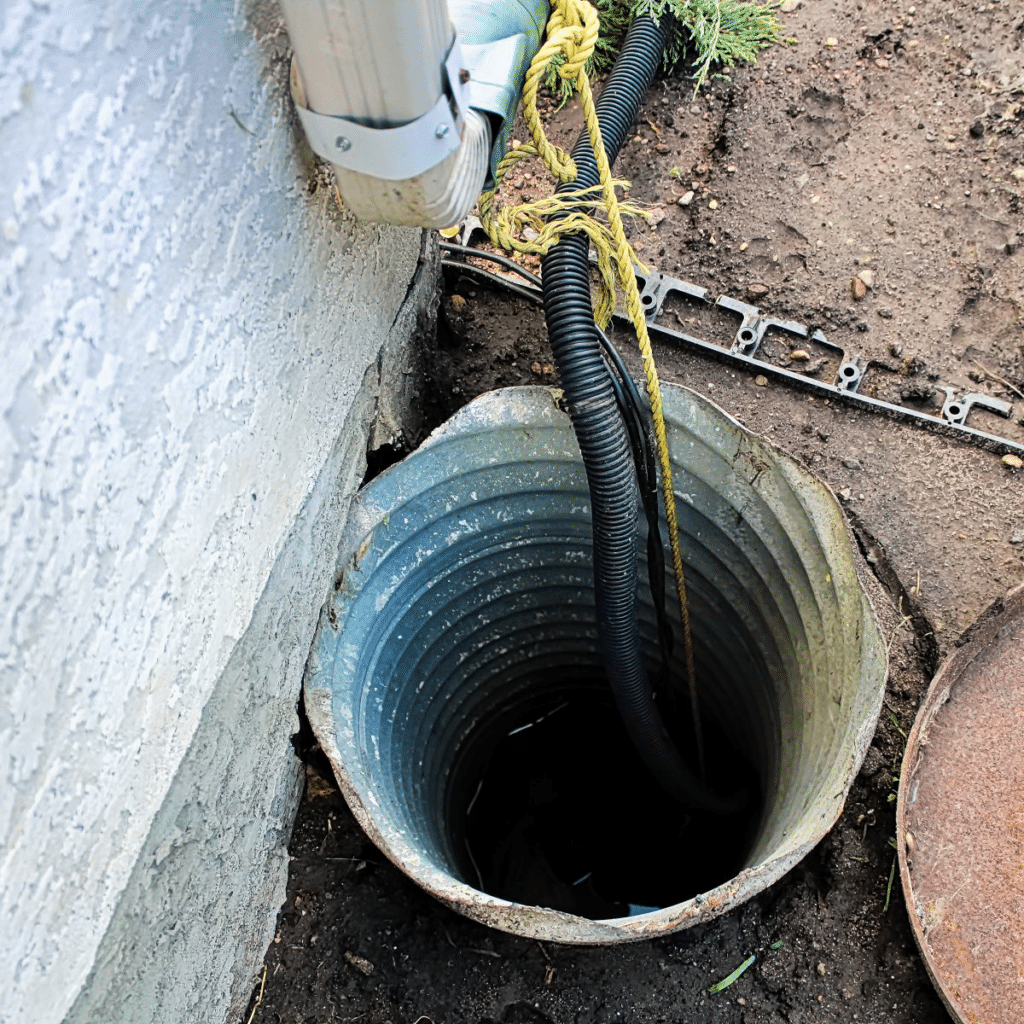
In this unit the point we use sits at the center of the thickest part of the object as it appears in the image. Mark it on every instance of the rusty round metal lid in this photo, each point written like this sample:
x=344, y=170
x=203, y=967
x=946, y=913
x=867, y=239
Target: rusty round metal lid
x=960, y=822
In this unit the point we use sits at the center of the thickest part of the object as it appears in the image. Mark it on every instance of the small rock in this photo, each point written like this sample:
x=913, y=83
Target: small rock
x=845, y=494
x=881, y=62
x=858, y=289
x=731, y=169
x=919, y=394
x=831, y=42
x=454, y=311
x=1013, y=461
x=757, y=290
x=686, y=198
x=874, y=762
x=656, y=215
x=1017, y=174
x=800, y=355
x=977, y=130
x=744, y=246
x=813, y=369
x=821, y=969
x=713, y=205
x=885, y=314
x=1017, y=537
x=895, y=350
x=661, y=148
x=360, y=963
x=761, y=380
x=531, y=234
x=867, y=276
x=790, y=6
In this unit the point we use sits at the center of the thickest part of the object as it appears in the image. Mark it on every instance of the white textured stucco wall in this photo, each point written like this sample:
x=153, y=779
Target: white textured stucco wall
x=185, y=325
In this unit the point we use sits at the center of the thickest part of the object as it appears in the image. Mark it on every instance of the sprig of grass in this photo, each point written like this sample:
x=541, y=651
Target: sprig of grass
x=888, y=888
x=896, y=723
x=730, y=978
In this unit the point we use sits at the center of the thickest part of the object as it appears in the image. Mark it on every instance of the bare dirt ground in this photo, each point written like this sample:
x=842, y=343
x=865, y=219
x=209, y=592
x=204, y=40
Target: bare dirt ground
x=887, y=142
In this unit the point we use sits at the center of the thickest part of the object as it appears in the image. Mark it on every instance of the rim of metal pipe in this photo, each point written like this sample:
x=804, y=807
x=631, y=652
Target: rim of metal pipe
x=773, y=585
x=959, y=821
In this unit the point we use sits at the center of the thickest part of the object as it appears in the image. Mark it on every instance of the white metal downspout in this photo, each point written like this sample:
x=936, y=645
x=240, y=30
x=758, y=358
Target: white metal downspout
x=381, y=64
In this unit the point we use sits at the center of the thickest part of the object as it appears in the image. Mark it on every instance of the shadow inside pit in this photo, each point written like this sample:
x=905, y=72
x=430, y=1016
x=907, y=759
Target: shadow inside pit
x=550, y=805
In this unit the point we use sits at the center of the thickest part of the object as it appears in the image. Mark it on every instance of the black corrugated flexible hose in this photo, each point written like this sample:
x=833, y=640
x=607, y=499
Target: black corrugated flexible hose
x=603, y=438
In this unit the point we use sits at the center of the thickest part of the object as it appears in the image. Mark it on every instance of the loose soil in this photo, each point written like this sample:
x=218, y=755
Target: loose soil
x=887, y=142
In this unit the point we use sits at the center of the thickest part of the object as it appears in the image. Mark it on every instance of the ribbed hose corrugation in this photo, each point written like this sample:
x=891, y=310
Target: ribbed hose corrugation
x=601, y=433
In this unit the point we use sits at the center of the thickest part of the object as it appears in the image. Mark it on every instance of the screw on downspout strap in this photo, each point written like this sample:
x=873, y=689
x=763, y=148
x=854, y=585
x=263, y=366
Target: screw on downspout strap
x=401, y=152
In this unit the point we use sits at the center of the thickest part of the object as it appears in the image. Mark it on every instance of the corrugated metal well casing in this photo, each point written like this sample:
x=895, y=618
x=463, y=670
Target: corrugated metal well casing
x=465, y=570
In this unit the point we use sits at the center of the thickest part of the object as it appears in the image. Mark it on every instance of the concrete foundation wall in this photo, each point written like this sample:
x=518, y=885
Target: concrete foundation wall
x=187, y=322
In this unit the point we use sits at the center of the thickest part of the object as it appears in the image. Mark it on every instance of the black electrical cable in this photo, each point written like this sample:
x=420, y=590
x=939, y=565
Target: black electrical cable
x=466, y=250
x=637, y=419
x=603, y=436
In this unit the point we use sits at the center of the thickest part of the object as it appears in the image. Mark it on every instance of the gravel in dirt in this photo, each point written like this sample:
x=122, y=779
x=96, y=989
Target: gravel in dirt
x=886, y=148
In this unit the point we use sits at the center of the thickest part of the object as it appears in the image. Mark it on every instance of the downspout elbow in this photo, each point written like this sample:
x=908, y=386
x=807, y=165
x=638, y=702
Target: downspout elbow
x=410, y=119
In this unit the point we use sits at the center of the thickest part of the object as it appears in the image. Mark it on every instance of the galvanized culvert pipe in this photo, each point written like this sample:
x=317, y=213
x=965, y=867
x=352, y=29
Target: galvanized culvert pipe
x=457, y=686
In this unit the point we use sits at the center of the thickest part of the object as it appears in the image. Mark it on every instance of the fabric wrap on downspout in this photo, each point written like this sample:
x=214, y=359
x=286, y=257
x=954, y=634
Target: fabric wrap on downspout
x=601, y=432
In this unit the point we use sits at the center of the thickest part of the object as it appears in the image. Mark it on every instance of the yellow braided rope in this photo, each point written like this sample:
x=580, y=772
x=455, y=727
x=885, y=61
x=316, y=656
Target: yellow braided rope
x=572, y=31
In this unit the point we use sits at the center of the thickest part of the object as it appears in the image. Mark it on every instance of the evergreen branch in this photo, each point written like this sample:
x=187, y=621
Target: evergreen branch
x=717, y=33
